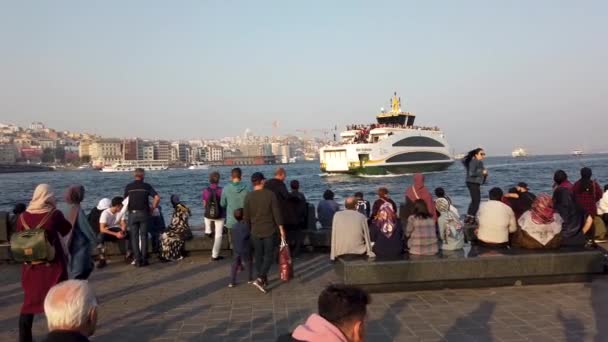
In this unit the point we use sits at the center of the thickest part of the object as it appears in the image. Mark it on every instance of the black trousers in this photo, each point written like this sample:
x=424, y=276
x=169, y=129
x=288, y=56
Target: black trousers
x=475, y=192
x=25, y=327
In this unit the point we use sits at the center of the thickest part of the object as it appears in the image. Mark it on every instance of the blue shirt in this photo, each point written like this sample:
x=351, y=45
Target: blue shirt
x=241, y=239
x=326, y=211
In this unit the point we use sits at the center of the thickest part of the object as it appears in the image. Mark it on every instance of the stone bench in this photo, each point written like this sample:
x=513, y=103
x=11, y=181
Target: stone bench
x=457, y=270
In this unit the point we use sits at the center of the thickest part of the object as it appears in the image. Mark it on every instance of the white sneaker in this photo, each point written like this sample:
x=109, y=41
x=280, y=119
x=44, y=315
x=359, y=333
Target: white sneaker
x=258, y=284
x=133, y=262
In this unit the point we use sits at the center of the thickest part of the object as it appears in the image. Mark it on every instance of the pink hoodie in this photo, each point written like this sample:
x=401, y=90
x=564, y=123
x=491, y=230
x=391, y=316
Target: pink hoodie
x=317, y=329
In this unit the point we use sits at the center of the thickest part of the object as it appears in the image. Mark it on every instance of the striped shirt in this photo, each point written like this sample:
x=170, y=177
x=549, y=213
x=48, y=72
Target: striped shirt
x=422, y=237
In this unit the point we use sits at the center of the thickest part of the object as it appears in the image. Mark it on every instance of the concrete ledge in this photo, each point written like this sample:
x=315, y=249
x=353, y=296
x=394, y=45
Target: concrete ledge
x=511, y=268
x=200, y=242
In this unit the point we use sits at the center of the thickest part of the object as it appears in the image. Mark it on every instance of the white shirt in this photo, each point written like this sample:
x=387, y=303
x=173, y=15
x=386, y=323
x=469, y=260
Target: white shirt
x=111, y=219
x=602, y=205
x=496, y=221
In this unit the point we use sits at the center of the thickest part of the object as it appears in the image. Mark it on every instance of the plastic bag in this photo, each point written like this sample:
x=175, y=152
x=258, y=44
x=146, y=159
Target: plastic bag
x=285, y=264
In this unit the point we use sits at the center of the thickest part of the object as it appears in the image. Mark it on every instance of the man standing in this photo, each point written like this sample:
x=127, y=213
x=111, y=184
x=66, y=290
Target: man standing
x=263, y=214
x=139, y=211
x=71, y=311
x=350, y=232
x=277, y=185
x=233, y=198
x=296, y=212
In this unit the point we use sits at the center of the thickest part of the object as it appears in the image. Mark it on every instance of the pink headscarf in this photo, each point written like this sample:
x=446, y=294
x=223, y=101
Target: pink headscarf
x=542, y=209
x=419, y=191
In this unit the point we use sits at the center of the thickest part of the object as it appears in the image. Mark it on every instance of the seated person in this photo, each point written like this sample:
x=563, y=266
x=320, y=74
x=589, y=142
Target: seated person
x=112, y=227
x=540, y=226
x=451, y=231
x=439, y=194
x=363, y=205
x=383, y=198
x=18, y=209
x=385, y=231
x=519, y=199
x=342, y=314
x=420, y=231
x=350, y=233
x=496, y=221
x=95, y=213
x=326, y=209
x=576, y=226
x=602, y=212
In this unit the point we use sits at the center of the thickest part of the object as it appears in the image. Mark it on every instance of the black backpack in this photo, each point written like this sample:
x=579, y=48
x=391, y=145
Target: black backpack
x=213, y=210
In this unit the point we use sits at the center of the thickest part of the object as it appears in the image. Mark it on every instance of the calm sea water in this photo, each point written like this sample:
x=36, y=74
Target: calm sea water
x=504, y=172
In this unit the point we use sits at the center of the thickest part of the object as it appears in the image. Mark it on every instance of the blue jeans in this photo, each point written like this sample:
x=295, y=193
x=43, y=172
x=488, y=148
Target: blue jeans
x=138, y=227
x=263, y=252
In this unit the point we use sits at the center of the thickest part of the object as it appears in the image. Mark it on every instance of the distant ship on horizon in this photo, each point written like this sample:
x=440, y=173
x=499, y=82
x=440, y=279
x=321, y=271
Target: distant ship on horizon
x=519, y=153
x=577, y=153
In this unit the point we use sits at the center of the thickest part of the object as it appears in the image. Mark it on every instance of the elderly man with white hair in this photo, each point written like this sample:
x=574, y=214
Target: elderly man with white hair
x=71, y=311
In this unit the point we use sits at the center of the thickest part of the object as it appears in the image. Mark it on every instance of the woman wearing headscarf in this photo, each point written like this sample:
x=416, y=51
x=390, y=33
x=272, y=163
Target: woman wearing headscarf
x=37, y=279
x=560, y=180
x=575, y=222
x=419, y=191
x=587, y=192
x=451, y=233
x=83, y=240
x=178, y=232
x=386, y=232
x=540, y=226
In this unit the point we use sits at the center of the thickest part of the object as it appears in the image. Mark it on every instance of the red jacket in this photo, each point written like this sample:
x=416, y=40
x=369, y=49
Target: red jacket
x=37, y=280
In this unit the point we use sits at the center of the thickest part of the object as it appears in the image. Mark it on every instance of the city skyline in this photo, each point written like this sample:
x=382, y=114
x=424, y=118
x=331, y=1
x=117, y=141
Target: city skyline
x=499, y=76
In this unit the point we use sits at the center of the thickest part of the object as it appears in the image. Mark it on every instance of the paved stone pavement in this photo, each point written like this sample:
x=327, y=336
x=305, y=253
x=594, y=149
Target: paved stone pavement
x=190, y=301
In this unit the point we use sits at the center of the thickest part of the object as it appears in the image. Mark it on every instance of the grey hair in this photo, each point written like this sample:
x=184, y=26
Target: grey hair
x=69, y=304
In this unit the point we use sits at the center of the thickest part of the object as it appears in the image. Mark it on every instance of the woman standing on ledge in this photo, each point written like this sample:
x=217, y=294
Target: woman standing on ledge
x=476, y=176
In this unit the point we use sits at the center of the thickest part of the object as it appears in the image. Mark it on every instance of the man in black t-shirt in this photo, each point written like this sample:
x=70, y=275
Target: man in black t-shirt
x=138, y=212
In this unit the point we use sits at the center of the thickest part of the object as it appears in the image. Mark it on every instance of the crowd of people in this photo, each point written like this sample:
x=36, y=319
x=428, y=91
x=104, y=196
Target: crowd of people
x=363, y=131
x=575, y=215
x=256, y=220
x=259, y=216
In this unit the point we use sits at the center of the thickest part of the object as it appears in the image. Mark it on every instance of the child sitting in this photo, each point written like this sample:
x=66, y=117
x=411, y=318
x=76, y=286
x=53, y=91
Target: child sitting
x=241, y=244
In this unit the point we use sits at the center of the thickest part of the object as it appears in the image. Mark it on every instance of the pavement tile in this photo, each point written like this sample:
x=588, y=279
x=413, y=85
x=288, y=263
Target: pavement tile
x=190, y=301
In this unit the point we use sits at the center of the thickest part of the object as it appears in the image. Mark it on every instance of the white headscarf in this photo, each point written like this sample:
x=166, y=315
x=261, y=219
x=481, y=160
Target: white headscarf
x=43, y=200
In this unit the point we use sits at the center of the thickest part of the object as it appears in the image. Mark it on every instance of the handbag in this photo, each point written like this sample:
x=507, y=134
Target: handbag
x=31, y=245
x=285, y=263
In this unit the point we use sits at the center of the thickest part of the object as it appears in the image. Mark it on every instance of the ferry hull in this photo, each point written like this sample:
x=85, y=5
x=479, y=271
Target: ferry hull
x=384, y=170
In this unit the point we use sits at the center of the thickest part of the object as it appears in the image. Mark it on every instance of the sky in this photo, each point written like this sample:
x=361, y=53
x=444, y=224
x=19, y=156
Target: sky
x=498, y=74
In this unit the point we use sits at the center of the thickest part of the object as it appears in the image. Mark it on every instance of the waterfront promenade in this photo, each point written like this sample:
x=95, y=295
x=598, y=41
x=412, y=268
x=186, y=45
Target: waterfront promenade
x=190, y=301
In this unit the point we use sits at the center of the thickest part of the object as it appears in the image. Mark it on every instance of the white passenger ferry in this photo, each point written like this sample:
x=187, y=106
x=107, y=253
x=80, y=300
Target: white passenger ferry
x=131, y=165
x=394, y=145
